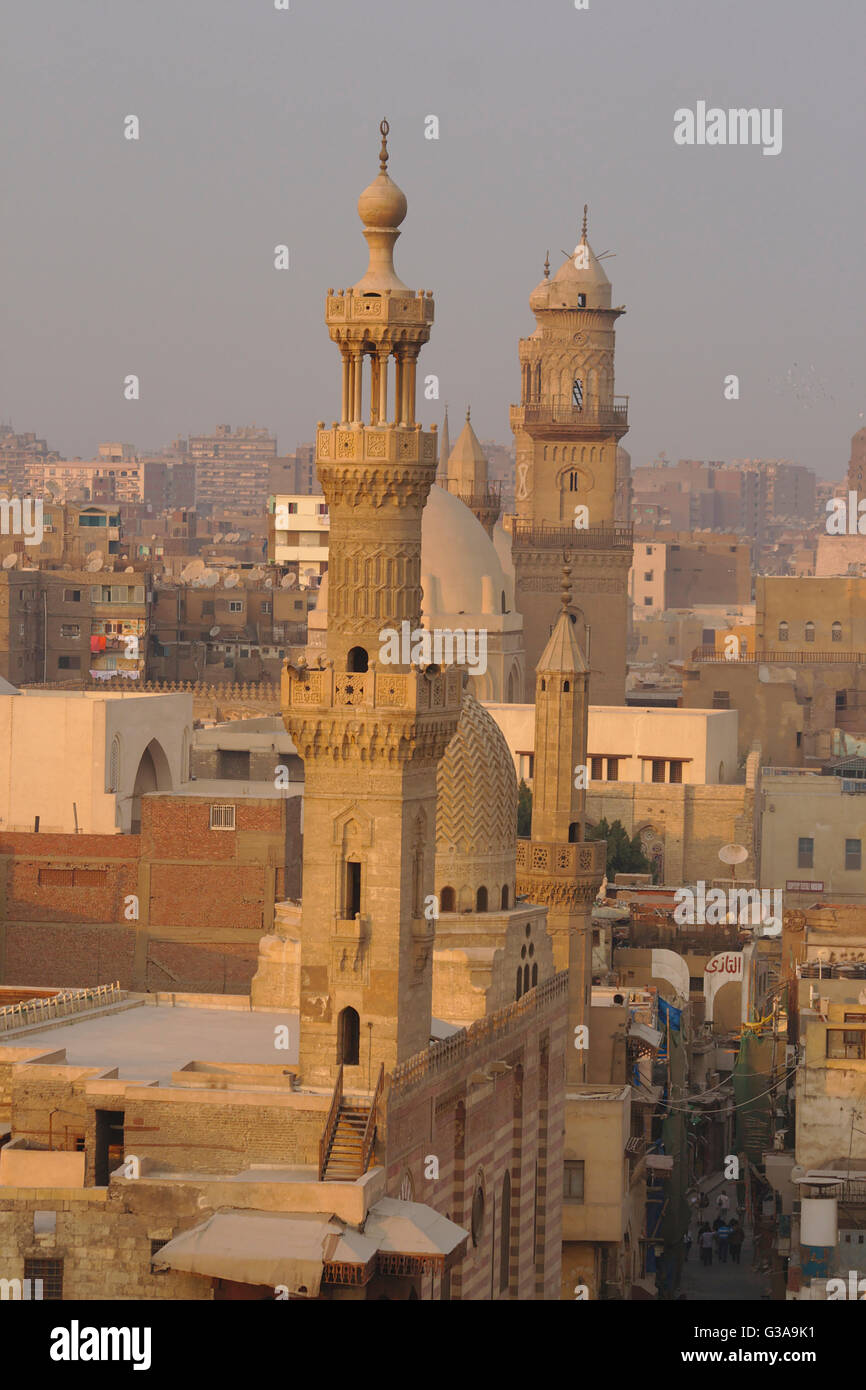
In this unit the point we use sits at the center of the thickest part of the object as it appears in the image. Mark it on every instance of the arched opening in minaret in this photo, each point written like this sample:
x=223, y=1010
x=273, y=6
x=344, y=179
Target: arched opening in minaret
x=566, y=685
x=481, y=900
x=357, y=660
x=446, y=900
x=519, y=990
x=348, y=1038
x=535, y=975
x=574, y=832
x=525, y=978
x=353, y=888
x=504, y=898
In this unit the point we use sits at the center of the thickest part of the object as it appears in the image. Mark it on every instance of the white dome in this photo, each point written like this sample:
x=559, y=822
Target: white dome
x=460, y=569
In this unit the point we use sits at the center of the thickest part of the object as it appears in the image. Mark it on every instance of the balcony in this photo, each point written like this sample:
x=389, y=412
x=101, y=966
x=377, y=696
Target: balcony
x=617, y=536
x=561, y=410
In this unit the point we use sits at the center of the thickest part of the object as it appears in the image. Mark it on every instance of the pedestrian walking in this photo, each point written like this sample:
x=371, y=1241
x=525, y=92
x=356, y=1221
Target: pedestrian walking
x=705, y=1241
x=723, y=1203
x=723, y=1233
x=735, y=1240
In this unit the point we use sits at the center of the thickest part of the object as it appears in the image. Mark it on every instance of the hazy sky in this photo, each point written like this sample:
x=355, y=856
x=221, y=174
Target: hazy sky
x=259, y=127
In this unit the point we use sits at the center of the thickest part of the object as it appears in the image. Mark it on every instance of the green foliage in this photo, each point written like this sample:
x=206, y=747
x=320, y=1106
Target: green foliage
x=624, y=854
x=524, y=809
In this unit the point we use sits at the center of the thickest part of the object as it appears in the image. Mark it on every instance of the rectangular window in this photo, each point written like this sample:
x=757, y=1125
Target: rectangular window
x=222, y=817
x=235, y=606
x=51, y=1274
x=613, y=769
x=648, y=574
x=658, y=769
x=596, y=769
x=70, y=630
x=573, y=1180
x=676, y=770
x=721, y=699
x=853, y=854
x=69, y=663
x=846, y=1043
x=805, y=852
x=234, y=764
x=648, y=603
x=71, y=595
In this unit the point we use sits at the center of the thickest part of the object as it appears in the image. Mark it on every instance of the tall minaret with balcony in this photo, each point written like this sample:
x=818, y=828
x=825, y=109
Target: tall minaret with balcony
x=556, y=866
x=371, y=734
x=567, y=428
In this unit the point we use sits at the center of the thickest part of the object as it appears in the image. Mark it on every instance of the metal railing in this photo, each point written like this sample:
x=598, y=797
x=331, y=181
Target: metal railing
x=616, y=536
x=711, y=655
x=561, y=410
x=327, y=1137
x=370, y=1127
x=60, y=1005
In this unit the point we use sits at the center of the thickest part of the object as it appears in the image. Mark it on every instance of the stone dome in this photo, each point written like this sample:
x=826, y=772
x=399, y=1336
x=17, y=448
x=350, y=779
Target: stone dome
x=476, y=814
x=461, y=572
x=562, y=290
x=382, y=204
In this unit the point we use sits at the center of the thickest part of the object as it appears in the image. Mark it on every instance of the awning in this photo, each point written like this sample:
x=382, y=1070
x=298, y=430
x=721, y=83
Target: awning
x=272, y=1249
x=411, y=1233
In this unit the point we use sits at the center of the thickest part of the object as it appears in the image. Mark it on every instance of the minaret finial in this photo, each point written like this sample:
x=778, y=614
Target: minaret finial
x=583, y=228
x=468, y=412
x=566, y=581
x=547, y=265
x=383, y=153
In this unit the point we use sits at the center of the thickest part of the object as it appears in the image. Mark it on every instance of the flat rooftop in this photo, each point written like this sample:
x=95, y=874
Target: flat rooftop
x=149, y=1042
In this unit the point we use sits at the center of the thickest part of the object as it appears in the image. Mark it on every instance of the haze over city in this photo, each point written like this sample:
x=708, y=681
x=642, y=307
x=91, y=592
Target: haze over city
x=155, y=256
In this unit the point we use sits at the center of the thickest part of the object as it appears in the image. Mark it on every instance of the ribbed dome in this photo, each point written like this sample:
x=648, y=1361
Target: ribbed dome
x=476, y=812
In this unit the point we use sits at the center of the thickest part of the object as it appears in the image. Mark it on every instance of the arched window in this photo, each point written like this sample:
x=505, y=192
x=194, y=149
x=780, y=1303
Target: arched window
x=481, y=900
x=357, y=660
x=477, y=1216
x=574, y=482
x=348, y=1038
x=446, y=900
x=544, y=684
x=534, y=974
x=519, y=989
x=809, y=632
x=505, y=1234
x=525, y=978
x=573, y=830
x=783, y=631
x=502, y=600
x=836, y=632
x=503, y=901
x=566, y=685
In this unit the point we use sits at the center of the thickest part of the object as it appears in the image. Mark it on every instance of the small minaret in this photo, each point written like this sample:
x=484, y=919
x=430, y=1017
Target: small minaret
x=557, y=867
x=465, y=472
x=444, y=453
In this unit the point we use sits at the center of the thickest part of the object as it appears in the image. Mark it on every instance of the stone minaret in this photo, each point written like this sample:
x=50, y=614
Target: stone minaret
x=465, y=474
x=567, y=428
x=556, y=867
x=371, y=735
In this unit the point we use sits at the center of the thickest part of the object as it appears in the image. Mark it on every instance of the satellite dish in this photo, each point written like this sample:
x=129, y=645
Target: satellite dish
x=10, y=561
x=214, y=631
x=269, y=583
x=231, y=581
x=288, y=581
x=129, y=569
x=218, y=538
x=194, y=570
x=93, y=562
x=209, y=578
x=733, y=854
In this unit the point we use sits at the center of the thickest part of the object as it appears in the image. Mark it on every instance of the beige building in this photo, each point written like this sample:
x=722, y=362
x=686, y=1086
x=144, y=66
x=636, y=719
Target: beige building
x=815, y=616
x=813, y=830
x=104, y=757
x=567, y=429
x=298, y=536
x=689, y=569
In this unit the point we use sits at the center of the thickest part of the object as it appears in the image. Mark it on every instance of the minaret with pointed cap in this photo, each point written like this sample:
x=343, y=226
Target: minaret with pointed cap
x=371, y=734
x=465, y=474
x=567, y=428
x=556, y=866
